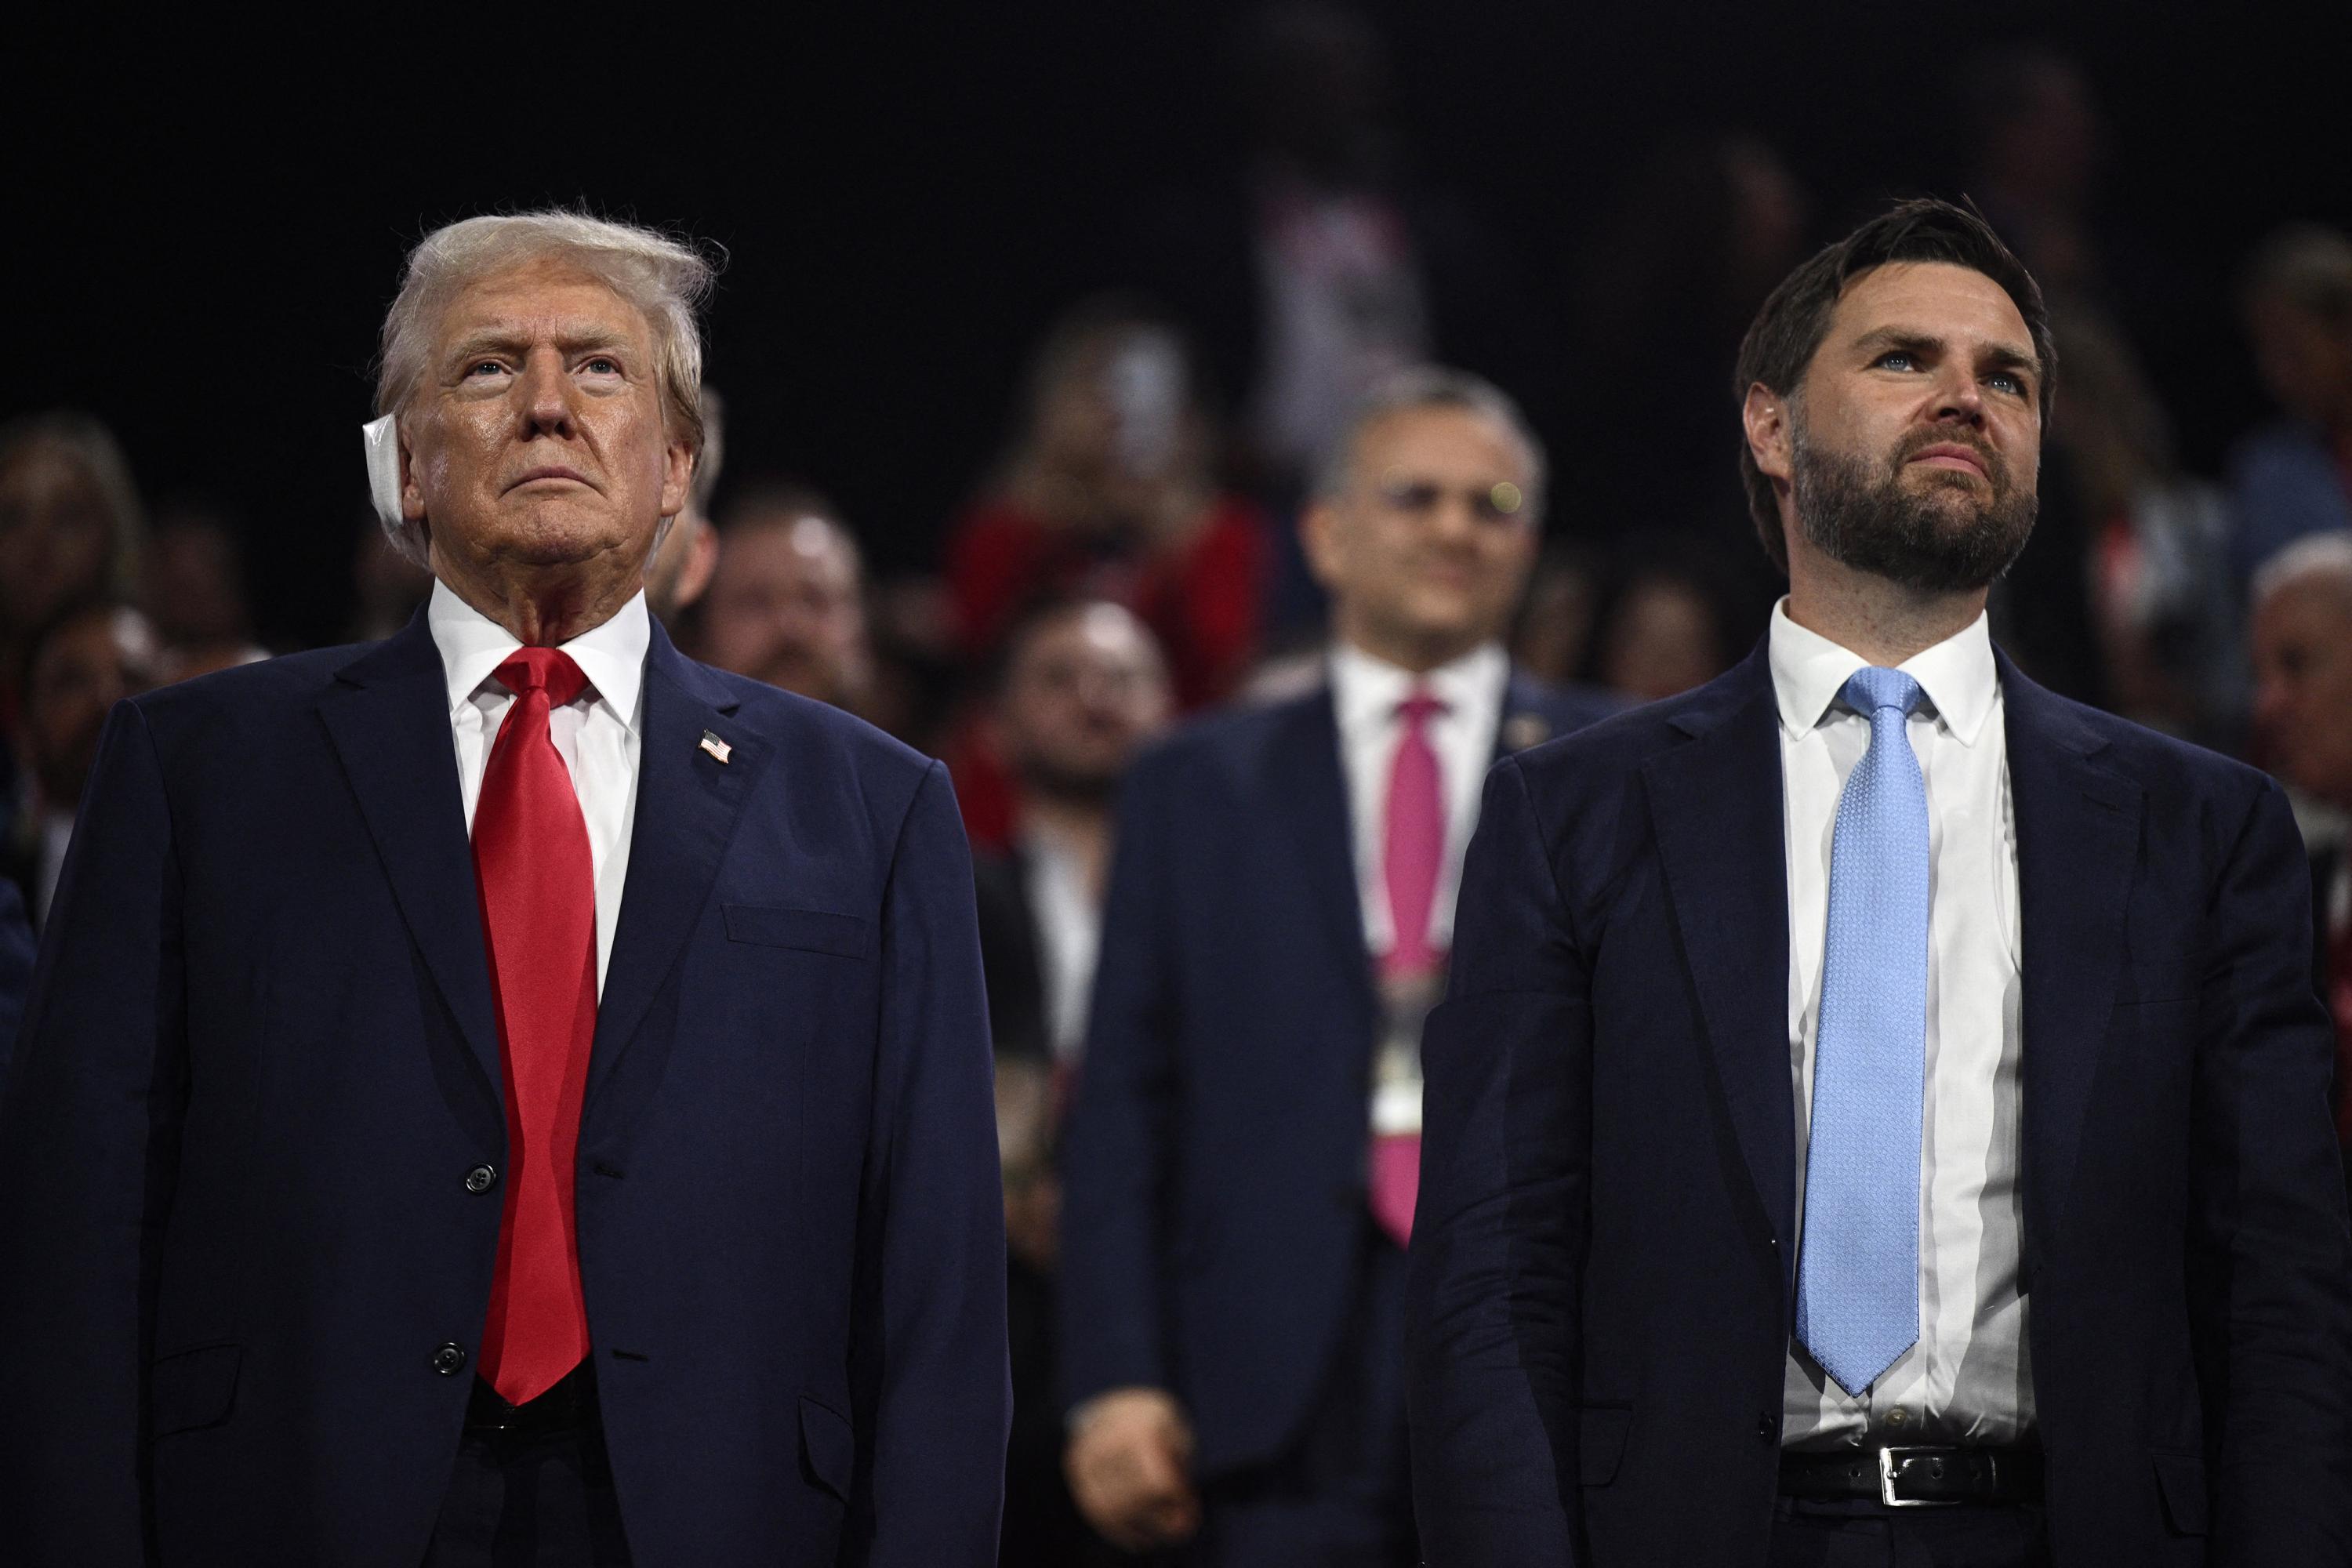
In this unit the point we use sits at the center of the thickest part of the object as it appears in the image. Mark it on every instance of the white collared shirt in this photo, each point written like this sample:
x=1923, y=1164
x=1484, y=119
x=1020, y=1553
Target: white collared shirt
x=1365, y=695
x=1967, y=1379
x=596, y=733
x=1069, y=920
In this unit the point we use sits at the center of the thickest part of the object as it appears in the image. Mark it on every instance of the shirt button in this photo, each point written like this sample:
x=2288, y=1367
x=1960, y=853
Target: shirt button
x=1897, y=1416
x=481, y=1178
x=449, y=1359
x=1767, y=1428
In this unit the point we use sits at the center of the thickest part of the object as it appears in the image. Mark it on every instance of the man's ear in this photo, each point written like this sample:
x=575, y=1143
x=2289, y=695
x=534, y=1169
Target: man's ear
x=412, y=495
x=677, y=477
x=1771, y=438
x=1318, y=539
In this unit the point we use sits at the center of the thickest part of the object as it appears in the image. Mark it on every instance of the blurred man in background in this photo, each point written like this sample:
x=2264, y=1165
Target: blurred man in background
x=82, y=664
x=1083, y=688
x=682, y=563
x=70, y=529
x=1243, y=1150
x=787, y=603
x=2303, y=716
x=2294, y=475
x=191, y=583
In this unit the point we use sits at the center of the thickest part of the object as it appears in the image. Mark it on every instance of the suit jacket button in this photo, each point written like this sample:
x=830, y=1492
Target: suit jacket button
x=449, y=1359
x=1767, y=1428
x=481, y=1178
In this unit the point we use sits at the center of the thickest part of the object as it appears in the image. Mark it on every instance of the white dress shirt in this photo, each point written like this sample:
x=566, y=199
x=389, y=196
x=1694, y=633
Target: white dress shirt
x=1068, y=915
x=1365, y=695
x=596, y=733
x=1967, y=1379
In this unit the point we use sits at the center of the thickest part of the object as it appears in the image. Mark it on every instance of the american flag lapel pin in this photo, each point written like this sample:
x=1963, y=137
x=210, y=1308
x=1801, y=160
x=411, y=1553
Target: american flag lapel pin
x=718, y=748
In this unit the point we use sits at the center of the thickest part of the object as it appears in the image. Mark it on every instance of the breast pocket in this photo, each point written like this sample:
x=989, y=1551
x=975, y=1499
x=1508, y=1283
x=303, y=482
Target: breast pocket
x=808, y=930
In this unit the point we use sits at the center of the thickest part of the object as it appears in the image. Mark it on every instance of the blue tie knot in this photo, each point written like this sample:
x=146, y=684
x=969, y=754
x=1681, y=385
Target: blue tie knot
x=1871, y=689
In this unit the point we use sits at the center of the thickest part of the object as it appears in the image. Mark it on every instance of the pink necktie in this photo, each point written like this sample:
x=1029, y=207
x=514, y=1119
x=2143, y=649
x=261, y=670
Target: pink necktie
x=1413, y=845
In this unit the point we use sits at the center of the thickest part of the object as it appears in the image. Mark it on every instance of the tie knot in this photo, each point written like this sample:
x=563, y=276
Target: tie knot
x=1871, y=690
x=1419, y=706
x=547, y=669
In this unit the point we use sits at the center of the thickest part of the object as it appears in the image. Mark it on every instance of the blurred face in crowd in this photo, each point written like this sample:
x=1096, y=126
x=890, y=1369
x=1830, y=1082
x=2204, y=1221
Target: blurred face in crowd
x=2303, y=682
x=1913, y=445
x=56, y=535
x=2305, y=361
x=1115, y=416
x=1428, y=543
x=536, y=450
x=82, y=669
x=1660, y=641
x=785, y=605
x=1085, y=688
x=192, y=582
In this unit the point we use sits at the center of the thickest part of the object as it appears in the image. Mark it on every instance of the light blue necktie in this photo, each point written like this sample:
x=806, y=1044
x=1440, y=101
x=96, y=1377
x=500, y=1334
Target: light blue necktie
x=1858, y=1278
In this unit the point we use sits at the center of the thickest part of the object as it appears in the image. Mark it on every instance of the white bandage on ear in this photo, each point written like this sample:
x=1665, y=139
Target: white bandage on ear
x=382, y=439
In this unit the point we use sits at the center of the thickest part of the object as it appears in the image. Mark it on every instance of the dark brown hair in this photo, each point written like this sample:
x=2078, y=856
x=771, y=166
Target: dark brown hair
x=1787, y=332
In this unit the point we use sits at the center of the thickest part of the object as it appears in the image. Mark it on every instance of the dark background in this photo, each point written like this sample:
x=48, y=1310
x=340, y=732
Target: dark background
x=205, y=227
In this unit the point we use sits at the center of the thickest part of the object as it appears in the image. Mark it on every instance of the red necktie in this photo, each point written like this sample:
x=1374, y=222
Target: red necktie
x=1412, y=846
x=538, y=916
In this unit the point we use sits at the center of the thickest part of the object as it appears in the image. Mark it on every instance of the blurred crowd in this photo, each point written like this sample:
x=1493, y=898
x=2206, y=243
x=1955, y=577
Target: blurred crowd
x=1135, y=552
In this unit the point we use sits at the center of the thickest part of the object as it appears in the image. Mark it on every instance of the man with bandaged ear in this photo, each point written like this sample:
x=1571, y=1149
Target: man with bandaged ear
x=509, y=1093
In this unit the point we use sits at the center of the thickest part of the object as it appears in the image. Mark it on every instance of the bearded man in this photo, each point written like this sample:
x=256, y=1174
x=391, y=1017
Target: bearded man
x=1881, y=1113
x=508, y=1094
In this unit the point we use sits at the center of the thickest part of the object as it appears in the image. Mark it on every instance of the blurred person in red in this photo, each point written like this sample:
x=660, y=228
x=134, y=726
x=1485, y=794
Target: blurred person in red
x=786, y=602
x=1110, y=491
x=80, y=665
x=1083, y=689
x=2294, y=477
x=2301, y=634
x=191, y=585
x=71, y=527
x=1242, y=1152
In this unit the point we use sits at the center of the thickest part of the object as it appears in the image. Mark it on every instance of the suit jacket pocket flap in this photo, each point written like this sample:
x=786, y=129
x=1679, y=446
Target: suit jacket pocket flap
x=813, y=930
x=194, y=1388
x=828, y=1447
x=1600, y=1442
x=2181, y=1479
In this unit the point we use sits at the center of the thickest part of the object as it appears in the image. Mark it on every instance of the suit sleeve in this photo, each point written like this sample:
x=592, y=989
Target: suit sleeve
x=16, y=974
x=2271, y=1259
x=1118, y=1146
x=928, y=1359
x=88, y=1151
x=1492, y=1335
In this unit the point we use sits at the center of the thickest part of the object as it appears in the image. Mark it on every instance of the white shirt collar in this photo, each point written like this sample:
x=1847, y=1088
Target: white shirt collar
x=1809, y=670
x=1366, y=690
x=612, y=655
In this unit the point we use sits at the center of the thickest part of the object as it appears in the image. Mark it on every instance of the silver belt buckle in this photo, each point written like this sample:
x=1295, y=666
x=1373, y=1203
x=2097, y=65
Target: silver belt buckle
x=1887, y=1460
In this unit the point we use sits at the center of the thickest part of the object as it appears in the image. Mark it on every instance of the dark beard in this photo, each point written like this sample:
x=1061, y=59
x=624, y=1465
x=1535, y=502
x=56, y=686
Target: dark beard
x=1917, y=540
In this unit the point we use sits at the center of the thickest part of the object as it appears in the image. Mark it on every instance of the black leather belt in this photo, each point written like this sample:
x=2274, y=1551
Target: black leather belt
x=1915, y=1475
x=567, y=1409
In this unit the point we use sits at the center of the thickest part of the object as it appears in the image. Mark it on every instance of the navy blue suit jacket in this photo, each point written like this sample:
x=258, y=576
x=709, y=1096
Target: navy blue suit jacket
x=262, y=1057
x=1602, y=1268
x=15, y=972
x=1214, y=1164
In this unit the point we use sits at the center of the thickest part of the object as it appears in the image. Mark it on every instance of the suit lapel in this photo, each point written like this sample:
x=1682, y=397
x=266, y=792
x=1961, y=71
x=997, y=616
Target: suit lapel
x=1715, y=804
x=2077, y=838
x=1307, y=788
x=389, y=721
x=687, y=803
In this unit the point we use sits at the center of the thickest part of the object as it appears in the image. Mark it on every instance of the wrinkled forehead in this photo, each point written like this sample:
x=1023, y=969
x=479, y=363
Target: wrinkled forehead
x=543, y=299
x=1932, y=298
x=1441, y=441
